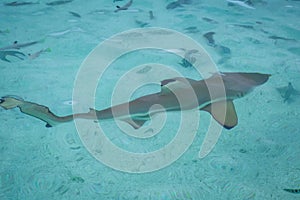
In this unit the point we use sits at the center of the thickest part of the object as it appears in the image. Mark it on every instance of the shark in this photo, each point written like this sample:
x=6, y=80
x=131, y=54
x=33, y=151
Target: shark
x=58, y=2
x=214, y=95
x=17, y=45
x=17, y=54
x=125, y=7
x=244, y=4
x=22, y=3
x=295, y=191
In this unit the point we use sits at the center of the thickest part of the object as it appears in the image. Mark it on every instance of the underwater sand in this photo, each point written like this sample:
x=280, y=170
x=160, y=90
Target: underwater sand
x=255, y=160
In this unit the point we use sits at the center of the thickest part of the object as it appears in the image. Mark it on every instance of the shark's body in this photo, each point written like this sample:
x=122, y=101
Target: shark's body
x=214, y=95
x=17, y=45
x=59, y=2
x=125, y=7
x=240, y=3
x=16, y=3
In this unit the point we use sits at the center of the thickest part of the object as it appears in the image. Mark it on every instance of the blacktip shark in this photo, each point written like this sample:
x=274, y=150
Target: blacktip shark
x=245, y=4
x=295, y=191
x=125, y=7
x=17, y=45
x=214, y=95
x=58, y=2
x=22, y=3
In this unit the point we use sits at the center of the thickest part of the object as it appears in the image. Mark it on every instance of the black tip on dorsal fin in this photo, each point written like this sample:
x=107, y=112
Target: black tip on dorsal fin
x=92, y=110
x=48, y=125
x=118, y=7
x=166, y=81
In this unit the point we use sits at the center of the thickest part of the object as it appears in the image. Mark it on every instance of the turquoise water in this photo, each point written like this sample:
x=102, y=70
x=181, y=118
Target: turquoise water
x=257, y=159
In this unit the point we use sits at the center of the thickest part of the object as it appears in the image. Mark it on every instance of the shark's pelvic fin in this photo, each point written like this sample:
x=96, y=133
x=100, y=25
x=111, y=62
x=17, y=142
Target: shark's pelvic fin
x=223, y=112
x=135, y=123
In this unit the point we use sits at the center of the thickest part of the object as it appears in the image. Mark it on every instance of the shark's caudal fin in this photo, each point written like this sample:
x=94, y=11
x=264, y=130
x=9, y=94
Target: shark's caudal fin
x=39, y=111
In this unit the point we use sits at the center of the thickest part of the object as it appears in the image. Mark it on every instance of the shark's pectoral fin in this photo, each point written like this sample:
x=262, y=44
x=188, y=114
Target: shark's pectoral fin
x=223, y=112
x=135, y=123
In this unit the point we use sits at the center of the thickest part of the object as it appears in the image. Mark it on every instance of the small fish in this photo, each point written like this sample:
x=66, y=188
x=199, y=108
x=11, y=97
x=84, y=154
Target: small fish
x=17, y=54
x=38, y=53
x=22, y=3
x=101, y=11
x=287, y=92
x=16, y=45
x=191, y=29
x=59, y=2
x=295, y=191
x=274, y=37
x=146, y=69
x=225, y=52
x=188, y=59
x=209, y=20
x=244, y=26
x=222, y=50
x=141, y=23
x=4, y=31
x=185, y=1
x=210, y=39
x=77, y=179
x=61, y=33
x=240, y=3
x=75, y=14
x=173, y=5
x=125, y=7
x=151, y=16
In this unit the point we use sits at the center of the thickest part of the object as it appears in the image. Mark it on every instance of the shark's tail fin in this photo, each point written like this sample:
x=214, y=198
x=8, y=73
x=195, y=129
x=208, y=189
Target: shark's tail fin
x=38, y=111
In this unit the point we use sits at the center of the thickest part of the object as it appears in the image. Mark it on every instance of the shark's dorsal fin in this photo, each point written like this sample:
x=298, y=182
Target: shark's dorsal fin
x=174, y=83
x=227, y=119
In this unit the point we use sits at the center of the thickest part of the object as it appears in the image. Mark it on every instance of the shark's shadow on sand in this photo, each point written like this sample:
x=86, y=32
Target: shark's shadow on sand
x=287, y=92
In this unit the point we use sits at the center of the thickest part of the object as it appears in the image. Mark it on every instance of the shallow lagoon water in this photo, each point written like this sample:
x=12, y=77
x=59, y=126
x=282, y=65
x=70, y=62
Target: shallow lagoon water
x=255, y=160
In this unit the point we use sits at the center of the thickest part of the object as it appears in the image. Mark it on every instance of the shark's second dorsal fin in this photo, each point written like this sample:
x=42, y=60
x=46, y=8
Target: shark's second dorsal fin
x=227, y=119
x=168, y=85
